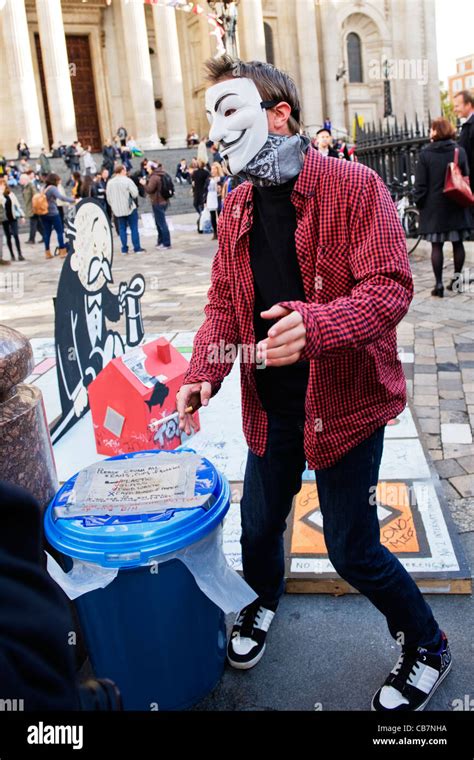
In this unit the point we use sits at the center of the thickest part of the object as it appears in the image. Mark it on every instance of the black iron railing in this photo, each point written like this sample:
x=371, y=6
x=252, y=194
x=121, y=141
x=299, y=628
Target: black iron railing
x=392, y=150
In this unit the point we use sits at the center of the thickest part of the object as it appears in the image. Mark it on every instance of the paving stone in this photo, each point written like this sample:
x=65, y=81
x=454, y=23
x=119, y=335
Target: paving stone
x=453, y=404
x=442, y=340
x=457, y=450
x=455, y=433
x=464, y=484
x=423, y=350
x=449, y=490
x=428, y=411
x=450, y=385
x=429, y=425
x=448, y=468
x=443, y=393
x=425, y=369
x=426, y=399
x=456, y=417
x=425, y=361
x=448, y=374
x=432, y=441
x=436, y=454
x=425, y=379
x=446, y=358
x=467, y=463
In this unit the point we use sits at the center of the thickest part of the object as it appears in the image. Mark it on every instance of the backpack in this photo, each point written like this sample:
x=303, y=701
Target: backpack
x=39, y=204
x=167, y=186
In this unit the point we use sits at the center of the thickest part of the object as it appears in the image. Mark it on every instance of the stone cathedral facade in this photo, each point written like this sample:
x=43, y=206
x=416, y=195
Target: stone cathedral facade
x=82, y=68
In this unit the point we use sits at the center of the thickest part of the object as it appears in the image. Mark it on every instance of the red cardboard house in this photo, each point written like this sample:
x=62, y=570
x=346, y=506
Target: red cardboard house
x=130, y=396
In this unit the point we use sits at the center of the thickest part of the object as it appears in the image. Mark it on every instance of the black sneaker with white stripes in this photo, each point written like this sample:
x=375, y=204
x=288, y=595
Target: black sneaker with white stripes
x=414, y=679
x=247, y=640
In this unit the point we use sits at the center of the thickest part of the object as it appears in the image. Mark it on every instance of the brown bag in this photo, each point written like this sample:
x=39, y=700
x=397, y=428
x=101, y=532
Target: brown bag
x=456, y=187
x=39, y=204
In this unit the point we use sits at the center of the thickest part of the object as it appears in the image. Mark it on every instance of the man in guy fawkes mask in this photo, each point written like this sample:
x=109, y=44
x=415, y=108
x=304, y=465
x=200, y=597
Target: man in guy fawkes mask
x=312, y=270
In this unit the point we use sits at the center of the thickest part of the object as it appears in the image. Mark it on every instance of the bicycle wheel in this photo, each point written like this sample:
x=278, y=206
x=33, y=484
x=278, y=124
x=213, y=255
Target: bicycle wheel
x=413, y=244
x=411, y=226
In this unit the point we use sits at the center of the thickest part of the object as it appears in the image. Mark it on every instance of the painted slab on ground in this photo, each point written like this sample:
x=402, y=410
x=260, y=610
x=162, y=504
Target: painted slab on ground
x=414, y=520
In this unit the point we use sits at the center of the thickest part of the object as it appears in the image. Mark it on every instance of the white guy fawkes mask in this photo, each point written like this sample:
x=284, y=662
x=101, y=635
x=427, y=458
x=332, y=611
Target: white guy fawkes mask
x=238, y=120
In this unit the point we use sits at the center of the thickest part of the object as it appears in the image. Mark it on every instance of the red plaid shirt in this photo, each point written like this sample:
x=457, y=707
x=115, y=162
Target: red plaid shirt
x=358, y=286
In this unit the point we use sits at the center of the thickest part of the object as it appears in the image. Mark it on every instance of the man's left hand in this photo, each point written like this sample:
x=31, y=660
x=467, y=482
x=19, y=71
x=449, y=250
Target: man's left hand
x=286, y=339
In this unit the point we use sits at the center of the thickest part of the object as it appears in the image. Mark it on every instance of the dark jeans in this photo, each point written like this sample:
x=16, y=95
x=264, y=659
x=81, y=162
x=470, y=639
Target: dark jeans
x=214, y=221
x=51, y=223
x=199, y=207
x=11, y=231
x=132, y=221
x=159, y=211
x=36, y=225
x=351, y=527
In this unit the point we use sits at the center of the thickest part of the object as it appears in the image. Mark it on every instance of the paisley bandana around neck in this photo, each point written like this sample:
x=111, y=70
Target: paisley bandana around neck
x=280, y=159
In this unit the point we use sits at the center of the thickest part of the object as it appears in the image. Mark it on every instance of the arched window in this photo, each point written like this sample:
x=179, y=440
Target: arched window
x=269, y=48
x=354, y=57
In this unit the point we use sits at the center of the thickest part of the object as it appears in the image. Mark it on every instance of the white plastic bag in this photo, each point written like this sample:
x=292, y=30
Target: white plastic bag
x=205, y=224
x=205, y=559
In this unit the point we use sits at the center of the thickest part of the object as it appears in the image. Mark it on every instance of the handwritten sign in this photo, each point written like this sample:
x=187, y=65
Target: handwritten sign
x=148, y=484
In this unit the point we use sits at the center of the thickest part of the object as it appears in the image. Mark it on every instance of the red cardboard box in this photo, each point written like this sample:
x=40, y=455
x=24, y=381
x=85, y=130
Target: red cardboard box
x=132, y=393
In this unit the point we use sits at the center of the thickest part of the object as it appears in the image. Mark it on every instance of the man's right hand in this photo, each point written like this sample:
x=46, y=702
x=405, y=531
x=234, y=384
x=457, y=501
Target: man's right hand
x=195, y=395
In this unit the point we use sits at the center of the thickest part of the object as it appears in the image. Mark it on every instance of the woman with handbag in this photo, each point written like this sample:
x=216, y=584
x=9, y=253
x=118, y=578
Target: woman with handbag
x=13, y=212
x=442, y=219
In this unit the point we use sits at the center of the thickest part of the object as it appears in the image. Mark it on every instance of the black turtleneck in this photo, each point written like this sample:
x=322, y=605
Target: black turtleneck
x=277, y=277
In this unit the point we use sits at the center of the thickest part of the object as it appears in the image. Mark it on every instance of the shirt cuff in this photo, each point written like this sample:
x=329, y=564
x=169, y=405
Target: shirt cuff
x=200, y=378
x=312, y=347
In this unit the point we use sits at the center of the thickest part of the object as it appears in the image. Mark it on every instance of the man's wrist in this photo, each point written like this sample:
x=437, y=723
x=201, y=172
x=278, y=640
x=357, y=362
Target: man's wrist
x=312, y=347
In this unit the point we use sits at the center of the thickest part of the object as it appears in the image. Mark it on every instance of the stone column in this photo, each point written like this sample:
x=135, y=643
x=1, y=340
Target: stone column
x=166, y=34
x=310, y=74
x=434, y=98
x=139, y=73
x=251, y=32
x=333, y=56
x=413, y=91
x=56, y=70
x=21, y=74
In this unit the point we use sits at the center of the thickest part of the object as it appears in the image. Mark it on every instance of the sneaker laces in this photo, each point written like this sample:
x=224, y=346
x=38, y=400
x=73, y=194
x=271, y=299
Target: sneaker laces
x=248, y=618
x=406, y=667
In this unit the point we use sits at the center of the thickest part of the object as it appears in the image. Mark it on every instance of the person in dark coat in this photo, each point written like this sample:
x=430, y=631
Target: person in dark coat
x=36, y=662
x=464, y=108
x=441, y=219
x=108, y=152
x=323, y=143
x=199, y=180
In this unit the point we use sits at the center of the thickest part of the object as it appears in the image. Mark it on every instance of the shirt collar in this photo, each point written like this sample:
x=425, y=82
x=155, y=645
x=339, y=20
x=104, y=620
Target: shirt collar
x=313, y=164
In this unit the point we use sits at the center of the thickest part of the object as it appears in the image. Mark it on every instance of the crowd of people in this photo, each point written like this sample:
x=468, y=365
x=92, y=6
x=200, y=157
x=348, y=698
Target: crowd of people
x=117, y=187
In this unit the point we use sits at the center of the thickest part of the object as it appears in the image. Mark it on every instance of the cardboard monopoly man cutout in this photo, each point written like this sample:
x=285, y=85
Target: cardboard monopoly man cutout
x=84, y=305
x=238, y=120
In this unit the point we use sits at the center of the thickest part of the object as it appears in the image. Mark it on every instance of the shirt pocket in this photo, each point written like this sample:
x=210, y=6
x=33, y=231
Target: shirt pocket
x=333, y=274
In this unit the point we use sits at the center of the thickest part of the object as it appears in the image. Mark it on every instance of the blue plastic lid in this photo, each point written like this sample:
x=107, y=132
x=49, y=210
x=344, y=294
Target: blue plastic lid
x=134, y=541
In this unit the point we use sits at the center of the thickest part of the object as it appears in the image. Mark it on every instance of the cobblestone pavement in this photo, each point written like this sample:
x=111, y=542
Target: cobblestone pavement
x=438, y=332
